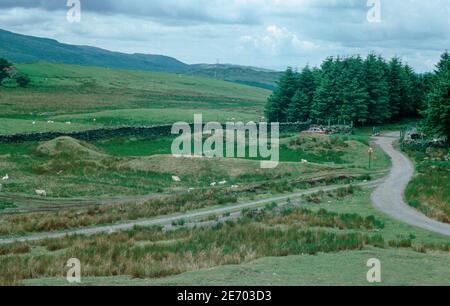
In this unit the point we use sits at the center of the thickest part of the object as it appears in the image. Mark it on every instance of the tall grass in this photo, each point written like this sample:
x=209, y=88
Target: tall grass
x=152, y=253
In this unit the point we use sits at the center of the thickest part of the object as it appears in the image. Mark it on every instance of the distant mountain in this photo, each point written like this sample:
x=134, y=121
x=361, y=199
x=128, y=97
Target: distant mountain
x=23, y=49
x=252, y=76
x=26, y=49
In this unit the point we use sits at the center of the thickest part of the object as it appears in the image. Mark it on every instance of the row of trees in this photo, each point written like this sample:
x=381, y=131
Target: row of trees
x=352, y=89
x=9, y=72
x=437, y=113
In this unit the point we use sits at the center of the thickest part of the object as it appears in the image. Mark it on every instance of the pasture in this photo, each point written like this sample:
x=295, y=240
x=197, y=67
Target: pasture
x=63, y=93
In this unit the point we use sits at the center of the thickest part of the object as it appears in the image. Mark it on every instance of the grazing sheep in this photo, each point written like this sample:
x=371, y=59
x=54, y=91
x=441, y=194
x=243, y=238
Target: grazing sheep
x=304, y=161
x=50, y=122
x=213, y=184
x=235, y=186
x=176, y=179
x=5, y=178
x=34, y=122
x=222, y=182
x=41, y=193
x=68, y=122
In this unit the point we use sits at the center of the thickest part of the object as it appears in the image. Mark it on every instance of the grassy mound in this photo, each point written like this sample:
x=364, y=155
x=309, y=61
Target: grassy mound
x=69, y=147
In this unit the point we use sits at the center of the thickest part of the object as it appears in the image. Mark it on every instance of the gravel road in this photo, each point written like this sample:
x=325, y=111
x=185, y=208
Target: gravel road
x=389, y=196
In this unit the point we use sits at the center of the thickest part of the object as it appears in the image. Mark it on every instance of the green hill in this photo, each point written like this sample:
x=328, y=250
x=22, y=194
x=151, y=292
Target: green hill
x=79, y=94
x=28, y=49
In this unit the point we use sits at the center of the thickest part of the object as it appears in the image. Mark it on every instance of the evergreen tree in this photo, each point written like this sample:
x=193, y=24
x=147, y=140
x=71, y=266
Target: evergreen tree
x=438, y=112
x=354, y=95
x=395, y=87
x=299, y=108
x=278, y=103
x=324, y=106
x=375, y=69
x=408, y=81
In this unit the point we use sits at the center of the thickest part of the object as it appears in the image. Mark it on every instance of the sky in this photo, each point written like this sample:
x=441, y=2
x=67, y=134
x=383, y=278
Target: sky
x=271, y=34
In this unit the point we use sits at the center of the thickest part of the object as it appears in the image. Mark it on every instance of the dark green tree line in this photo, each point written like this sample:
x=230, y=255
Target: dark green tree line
x=437, y=112
x=350, y=89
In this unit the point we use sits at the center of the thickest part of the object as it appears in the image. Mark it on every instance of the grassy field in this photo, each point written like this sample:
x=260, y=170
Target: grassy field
x=429, y=191
x=64, y=93
x=328, y=242
x=400, y=267
x=134, y=166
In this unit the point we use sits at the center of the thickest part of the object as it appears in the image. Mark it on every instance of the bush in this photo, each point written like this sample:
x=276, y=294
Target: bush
x=23, y=81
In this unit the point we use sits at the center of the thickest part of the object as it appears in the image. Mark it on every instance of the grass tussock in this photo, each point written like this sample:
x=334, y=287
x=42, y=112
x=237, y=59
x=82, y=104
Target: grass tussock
x=69, y=219
x=429, y=191
x=190, y=249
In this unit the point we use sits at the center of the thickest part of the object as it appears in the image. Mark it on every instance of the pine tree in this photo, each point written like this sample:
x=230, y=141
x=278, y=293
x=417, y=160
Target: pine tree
x=324, y=105
x=395, y=87
x=375, y=69
x=438, y=112
x=278, y=103
x=354, y=92
x=408, y=81
x=300, y=106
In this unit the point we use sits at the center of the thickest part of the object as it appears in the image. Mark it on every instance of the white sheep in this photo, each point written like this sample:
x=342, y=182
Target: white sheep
x=213, y=184
x=234, y=186
x=222, y=182
x=304, y=161
x=41, y=193
x=6, y=177
x=68, y=122
x=176, y=179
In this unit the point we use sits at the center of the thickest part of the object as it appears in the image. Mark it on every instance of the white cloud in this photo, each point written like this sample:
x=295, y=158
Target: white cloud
x=280, y=32
x=278, y=41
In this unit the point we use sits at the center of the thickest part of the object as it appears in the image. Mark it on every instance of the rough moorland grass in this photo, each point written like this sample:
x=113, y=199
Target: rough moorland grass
x=65, y=167
x=152, y=252
x=64, y=219
x=190, y=249
x=429, y=191
x=77, y=218
x=68, y=89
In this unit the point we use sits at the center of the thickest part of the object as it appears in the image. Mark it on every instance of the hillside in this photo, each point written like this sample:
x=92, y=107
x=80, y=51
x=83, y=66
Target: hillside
x=28, y=49
x=252, y=76
x=24, y=49
x=116, y=97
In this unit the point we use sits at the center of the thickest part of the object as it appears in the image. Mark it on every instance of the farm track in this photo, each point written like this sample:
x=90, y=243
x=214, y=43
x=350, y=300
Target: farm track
x=30, y=204
x=389, y=196
x=167, y=220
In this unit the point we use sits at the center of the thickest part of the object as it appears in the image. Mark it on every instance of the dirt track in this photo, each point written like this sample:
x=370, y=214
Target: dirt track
x=389, y=196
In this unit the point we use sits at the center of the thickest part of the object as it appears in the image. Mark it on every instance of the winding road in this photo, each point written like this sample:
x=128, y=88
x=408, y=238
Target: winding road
x=388, y=198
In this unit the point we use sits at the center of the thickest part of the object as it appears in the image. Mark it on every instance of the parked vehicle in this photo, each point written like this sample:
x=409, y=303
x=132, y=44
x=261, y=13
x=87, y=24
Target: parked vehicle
x=317, y=130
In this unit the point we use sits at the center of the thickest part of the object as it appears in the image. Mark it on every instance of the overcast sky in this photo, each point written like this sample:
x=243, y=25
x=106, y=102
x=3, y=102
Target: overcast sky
x=266, y=33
